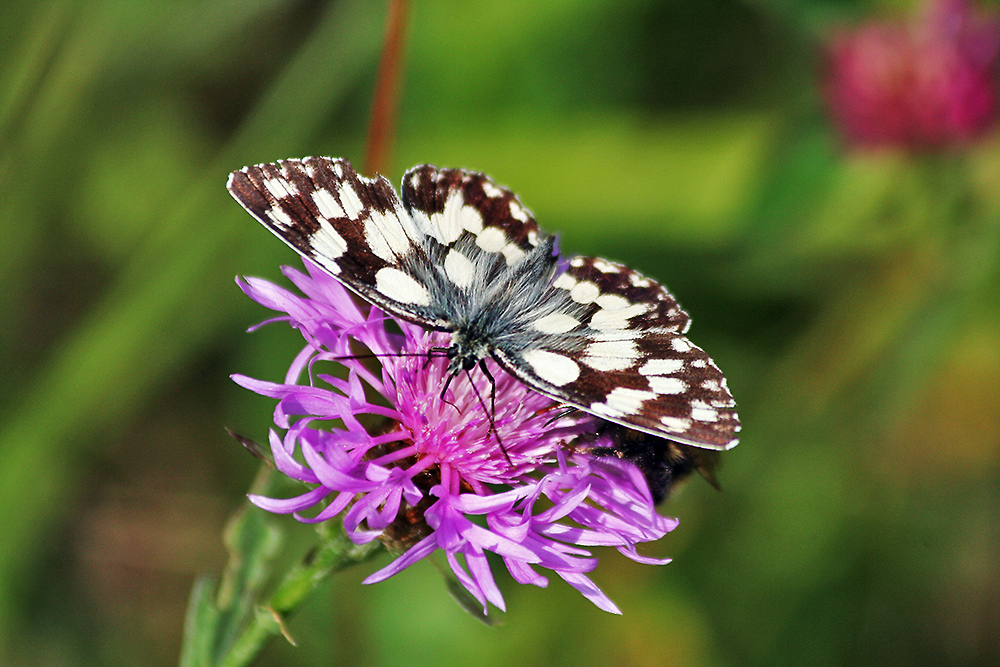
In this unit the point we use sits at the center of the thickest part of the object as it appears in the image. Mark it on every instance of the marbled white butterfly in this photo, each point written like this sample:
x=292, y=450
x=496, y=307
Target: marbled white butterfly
x=458, y=253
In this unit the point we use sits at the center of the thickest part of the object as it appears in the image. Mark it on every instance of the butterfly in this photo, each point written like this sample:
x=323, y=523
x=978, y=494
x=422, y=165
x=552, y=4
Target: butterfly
x=458, y=253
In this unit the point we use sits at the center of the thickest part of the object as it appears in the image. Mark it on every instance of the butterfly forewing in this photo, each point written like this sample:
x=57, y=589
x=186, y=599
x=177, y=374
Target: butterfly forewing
x=354, y=227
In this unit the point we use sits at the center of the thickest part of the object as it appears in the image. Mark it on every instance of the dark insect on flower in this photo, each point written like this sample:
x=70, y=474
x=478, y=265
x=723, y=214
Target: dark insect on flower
x=664, y=464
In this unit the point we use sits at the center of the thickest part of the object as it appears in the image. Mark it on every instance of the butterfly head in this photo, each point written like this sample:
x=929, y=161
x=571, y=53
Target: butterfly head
x=467, y=350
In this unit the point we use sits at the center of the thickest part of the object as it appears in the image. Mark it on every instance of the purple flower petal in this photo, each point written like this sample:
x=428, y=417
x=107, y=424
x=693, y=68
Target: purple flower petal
x=397, y=460
x=289, y=505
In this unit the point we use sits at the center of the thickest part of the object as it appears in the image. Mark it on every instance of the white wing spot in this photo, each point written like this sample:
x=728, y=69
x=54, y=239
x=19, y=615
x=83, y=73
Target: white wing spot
x=620, y=334
x=459, y=268
x=278, y=215
x=704, y=414
x=638, y=281
x=385, y=236
x=401, y=287
x=576, y=262
x=447, y=225
x=711, y=385
x=611, y=355
x=625, y=349
x=352, y=203
x=664, y=385
x=491, y=190
x=612, y=302
x=682, y=345
x=697, y=363
x=607, y=364
x=280, y=188
x=556, y=323
x=327, y=242
x=512, y=253
x=606, y=267
x=327, y=264
x=533, y=237
x=517, y=212
x=491, y=239
x=327, y=205
x=584, y=292
x=471, y=219
x=564, y=281
x=627, y=401
x=610, y=320
x=676, y=424
x=662, y=366
x=553, y=368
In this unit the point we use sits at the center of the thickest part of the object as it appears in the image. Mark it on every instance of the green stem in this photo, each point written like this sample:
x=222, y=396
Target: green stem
x=334, y=553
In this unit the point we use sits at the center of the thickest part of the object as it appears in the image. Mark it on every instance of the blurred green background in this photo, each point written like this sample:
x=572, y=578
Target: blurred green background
x=851, y=297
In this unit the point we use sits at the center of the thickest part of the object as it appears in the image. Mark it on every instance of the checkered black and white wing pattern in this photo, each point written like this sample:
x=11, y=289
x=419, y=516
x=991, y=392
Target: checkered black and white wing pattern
x=460, y=254
x=425, y=259
x=621, y=354
x=354, y=227
x=468, y=210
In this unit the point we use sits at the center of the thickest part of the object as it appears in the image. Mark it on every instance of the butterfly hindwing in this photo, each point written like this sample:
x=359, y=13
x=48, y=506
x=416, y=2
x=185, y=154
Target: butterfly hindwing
x=623, y=357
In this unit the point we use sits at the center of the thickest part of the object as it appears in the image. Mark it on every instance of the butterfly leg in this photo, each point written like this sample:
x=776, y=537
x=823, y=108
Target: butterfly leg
x=489, y=413
x=493, y=385
x=444, y=390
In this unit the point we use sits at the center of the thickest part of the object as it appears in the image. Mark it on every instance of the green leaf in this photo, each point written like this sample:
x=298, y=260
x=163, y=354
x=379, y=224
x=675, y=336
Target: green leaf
x=200, y=624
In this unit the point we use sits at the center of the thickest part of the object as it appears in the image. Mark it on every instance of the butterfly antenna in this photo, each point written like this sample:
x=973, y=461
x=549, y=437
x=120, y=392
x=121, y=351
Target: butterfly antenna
x=437, y=352
x=382, y=355
x=563, y=412
x=493, y=387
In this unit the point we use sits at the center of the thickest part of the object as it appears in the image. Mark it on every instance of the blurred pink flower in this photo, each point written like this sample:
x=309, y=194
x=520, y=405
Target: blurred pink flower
x=929, y=83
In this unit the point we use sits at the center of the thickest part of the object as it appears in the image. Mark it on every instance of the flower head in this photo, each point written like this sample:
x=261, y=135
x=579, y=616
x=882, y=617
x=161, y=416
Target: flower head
x=926, y=84
x=483, y=468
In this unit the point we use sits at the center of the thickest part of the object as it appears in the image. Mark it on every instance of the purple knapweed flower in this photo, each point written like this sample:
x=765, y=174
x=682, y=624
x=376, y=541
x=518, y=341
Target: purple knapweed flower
x=423, y=473
x=926, y=84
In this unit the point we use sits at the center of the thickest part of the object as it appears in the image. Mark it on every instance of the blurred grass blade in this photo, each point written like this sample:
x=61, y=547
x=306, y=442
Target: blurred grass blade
x=166, y=302
x=25, y=71
x=251, y=624
x=253, y=538
x=200, y=624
